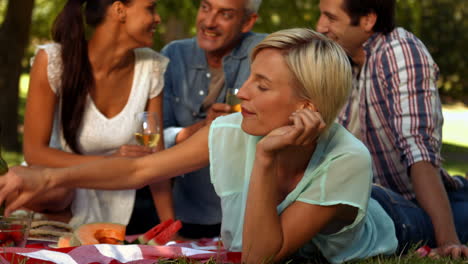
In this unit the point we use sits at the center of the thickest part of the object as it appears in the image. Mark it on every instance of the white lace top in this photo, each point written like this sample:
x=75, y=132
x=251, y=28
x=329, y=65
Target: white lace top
x=100, y=135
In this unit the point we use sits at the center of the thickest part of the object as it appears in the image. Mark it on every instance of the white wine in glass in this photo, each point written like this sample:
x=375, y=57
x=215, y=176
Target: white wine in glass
x=147, y=140
x=233, y=100
x=147, y=133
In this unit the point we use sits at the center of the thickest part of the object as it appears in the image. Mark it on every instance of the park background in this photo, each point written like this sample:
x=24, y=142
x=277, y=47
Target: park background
x=440, y=24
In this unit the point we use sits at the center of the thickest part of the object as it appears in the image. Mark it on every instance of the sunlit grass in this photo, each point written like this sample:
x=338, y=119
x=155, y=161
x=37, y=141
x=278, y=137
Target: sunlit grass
x=455, y=129
x=455, y=139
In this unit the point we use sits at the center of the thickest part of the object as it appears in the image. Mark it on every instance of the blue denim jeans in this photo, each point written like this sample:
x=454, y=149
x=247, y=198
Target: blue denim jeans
x=412, y=225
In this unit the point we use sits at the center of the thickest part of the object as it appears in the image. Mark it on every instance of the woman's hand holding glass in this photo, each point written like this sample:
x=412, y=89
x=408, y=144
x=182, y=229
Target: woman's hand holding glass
x=133, y=151
x=306, y=126
x=148, y=131
x=146, y=135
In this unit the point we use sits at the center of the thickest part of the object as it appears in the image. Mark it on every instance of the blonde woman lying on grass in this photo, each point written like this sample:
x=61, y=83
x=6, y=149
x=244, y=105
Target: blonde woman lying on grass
x=291, y=181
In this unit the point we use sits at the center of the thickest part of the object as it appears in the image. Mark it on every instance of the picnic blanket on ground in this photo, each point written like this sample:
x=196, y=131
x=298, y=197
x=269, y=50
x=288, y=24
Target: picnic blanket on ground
x=202, y=250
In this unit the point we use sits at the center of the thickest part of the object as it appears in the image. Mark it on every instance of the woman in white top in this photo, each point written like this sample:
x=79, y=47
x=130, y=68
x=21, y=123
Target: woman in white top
x=291, y=181
x=83, y=97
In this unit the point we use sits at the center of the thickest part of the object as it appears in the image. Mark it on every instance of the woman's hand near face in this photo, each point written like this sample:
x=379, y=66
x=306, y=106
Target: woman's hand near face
x=133, y=151
x=306, y=127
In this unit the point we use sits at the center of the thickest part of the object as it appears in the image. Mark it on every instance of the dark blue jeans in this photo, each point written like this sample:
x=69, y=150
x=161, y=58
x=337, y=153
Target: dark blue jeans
x=412, y=225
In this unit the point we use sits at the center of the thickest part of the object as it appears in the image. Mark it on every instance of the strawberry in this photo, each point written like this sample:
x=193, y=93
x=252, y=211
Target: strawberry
x=17, y=236
x=4, y=236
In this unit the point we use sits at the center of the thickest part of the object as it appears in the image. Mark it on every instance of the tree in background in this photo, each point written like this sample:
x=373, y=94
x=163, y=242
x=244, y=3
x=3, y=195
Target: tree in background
x=440, y=24
x=443, y=27
x=14, y=38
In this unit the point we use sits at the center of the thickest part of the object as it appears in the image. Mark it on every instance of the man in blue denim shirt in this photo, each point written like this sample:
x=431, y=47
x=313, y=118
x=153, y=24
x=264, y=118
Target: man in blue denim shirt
x=199, y=72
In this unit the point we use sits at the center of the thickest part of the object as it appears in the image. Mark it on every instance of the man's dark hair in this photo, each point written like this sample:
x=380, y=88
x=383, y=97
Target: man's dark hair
x=384, y=9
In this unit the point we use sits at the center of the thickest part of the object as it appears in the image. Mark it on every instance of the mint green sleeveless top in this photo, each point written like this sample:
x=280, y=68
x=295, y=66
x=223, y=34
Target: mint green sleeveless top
x=339, y=172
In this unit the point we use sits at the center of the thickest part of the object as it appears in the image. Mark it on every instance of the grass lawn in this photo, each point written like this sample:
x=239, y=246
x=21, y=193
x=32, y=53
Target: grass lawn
x=455, y=139
x=454, y=150
x=408, y=259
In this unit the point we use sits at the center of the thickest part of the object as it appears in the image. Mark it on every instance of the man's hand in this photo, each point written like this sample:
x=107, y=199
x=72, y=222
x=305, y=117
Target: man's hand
x=213, y=112
x=433, y=199
x=217, y=110
x=455, y=251
x=133, y=151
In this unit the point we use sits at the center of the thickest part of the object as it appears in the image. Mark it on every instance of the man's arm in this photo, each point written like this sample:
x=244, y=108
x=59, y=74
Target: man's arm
x=416, y=120
x=213, y=112
x=186, y=132
x=432, y=197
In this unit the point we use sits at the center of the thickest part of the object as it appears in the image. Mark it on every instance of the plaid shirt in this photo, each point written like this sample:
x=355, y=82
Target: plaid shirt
x=399, y=112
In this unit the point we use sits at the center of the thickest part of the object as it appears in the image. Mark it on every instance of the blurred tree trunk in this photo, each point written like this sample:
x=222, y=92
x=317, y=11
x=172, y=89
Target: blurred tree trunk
x=176, y=29
x=14, y=37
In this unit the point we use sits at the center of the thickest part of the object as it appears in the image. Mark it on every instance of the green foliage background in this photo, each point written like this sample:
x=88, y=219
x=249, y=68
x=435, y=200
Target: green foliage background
x=440, y=24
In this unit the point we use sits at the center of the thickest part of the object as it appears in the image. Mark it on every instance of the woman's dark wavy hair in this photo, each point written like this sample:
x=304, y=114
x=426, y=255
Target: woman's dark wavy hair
x=77, y=76
x=384, y=9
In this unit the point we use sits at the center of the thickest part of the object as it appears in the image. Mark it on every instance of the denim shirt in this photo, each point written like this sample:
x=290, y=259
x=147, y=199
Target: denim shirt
x=186, y=85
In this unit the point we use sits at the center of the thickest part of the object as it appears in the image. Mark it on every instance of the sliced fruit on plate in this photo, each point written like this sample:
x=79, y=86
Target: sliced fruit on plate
x=143, y=239
x=64, y=241
x=96, y=233
x=167, y=234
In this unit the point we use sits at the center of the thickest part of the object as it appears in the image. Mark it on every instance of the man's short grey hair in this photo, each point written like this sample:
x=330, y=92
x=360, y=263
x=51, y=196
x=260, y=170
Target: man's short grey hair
x=252, y=6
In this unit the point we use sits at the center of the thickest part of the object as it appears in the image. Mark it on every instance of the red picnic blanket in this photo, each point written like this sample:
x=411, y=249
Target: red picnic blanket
x=202, y=250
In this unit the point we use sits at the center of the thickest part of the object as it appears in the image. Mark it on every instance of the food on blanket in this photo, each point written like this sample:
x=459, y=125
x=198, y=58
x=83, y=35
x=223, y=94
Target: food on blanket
x=13, y=231
x=65, y=241
x=143, y=239
x=13, y=236
x=49, y=230
x=97, y=233
x=167, y=234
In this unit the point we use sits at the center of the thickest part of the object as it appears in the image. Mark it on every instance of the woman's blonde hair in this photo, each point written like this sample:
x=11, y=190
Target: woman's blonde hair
x=320, y=66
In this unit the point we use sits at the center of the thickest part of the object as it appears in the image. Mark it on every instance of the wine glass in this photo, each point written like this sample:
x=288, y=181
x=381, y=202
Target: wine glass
x=148, y=132
x=233, y=100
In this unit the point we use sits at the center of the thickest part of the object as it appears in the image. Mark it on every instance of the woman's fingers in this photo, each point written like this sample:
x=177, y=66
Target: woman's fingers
x=10, y=183
x=20, y=200
x=311, y=125
x=305, y=128
x=134, y=151
x=299, y=128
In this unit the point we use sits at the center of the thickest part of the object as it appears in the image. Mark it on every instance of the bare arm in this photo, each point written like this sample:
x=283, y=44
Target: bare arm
x=110, y=174
x=432, y=197
x=41, y=102
x=186, y=132
x=214, y=111
x=38, y=123
x=161, y=191
x=266, y=235
x=39, y=116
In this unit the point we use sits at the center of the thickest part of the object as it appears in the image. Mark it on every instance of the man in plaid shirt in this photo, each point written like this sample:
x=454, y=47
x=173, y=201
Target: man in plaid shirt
x=395, y=110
